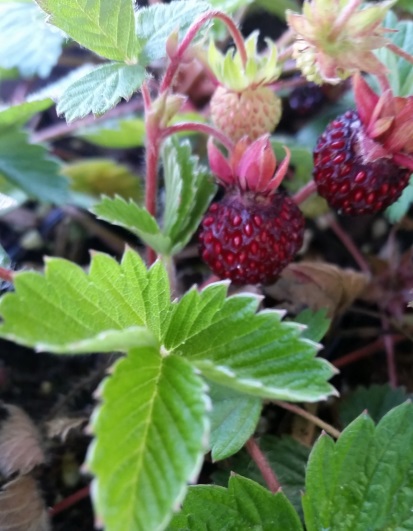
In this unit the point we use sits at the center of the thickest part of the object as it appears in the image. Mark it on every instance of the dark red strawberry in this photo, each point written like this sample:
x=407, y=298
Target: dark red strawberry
x=363, y=160
x=349, y=185
x=255, y=230
x=250, y=238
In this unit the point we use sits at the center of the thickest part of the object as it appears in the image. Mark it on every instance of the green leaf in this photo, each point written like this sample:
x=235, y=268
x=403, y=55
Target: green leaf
x=106, y=27
x=234, y=418
x=189, y=190
x=116, y=133
x=406, y=5
x=376, y=399
x=27, y=42
x=397, y=210
x=73, y=307
x=11, y=196
x=365, y=479
x=132, y=217
x=100, y=90
x=103, y=176
x=280, y=7
x=317, y=323
x=150, y=436
x=29, y=167
x=286, y=456
x=154, y=24
x=4, y=258
x=244, y=505
x=256, y=353
x=17, y=115
x=400, y=71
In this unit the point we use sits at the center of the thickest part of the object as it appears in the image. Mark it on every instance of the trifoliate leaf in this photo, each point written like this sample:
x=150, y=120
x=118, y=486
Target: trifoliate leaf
x=103, y=176
x=134, y=218
x=27, y=42
x=365, y=479
x=116, y=133
x=286, y=456
x=256, y=353
x=106, y=27
x=377, y=400
x=189, y=190
x=244, y=505
x=155, y=24
x=17, y=115
x=29, y=167
x=72, y=306
x=400, y=72
x=317, y=323
x=234, y=417
x=150, y=438
x=100, y=90
x=397, y=210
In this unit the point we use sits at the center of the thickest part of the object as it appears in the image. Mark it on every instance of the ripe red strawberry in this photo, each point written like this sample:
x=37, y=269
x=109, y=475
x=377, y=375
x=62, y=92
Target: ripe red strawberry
x=255, y=230
x=250, y=238
x=363, y=160
x=349, y=185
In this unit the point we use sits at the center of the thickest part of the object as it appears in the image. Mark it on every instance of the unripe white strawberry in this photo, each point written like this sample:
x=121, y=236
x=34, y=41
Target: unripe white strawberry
x=252, y=112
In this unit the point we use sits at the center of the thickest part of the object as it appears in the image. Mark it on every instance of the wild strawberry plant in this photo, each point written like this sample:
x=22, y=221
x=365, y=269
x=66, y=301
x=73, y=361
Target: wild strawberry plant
x=195, y=366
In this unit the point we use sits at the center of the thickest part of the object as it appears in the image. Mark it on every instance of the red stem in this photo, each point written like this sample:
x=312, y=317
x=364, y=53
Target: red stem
x=192, y=31
x=260, y=460
x=304, y=193
x=69, y=501
x=199, y=128
x=349, y=245
x=6, y=274
x=152, y=154
x=365, y=352
x=399, y=51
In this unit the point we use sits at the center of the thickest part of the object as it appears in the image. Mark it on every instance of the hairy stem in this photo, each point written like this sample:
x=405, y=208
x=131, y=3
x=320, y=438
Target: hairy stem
x=199, y=128
x=152, y=154
x=399, y=51
x=263, y=465
x=305, y=192
x=348, y=244
x=6, y=274
x=192, y=31
x=390, y=355
x=309, y=416
x=69, y=501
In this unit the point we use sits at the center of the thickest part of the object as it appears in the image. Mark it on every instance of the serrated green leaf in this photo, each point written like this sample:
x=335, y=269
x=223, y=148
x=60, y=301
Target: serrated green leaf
x=244, y=505
x=189, y=190
x=29, y=167
x=150, y=437
x=27, y=42
x=132, y=217
x=17, y=115
x=106, y=27
x=100, y=90
x=400, y=72
x=73, y=307
x=97, y=177
x=258, y=354
x=377, y=400
x=317, y=323
x=286, y=456
x=11, y=197
x=116, y=133
x=234, y=418
x=364, y=480
x=397, y=210
x=155, y=23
